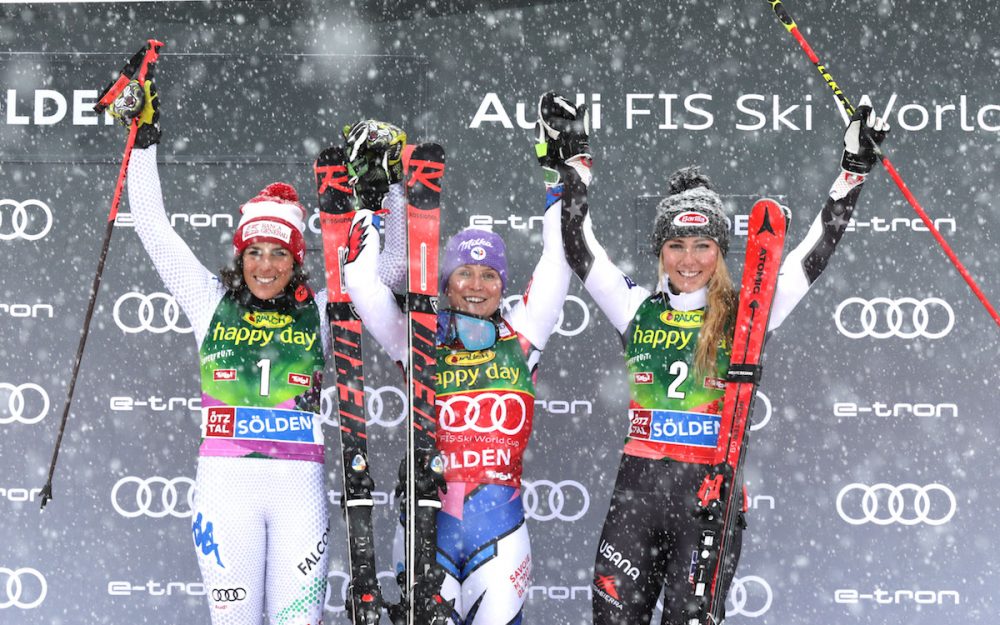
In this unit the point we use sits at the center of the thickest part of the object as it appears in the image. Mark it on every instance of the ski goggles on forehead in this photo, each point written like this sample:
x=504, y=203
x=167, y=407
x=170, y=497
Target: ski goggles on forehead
x=472, y=332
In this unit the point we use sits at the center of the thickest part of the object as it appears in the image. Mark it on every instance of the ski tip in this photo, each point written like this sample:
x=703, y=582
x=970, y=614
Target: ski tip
x=773, y=210
x=429, y=151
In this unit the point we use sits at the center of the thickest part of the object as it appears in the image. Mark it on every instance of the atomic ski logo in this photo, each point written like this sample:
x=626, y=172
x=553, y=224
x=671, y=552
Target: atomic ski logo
x=766, y=226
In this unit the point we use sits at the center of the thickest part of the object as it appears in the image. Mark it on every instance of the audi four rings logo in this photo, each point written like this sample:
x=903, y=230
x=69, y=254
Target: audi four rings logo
x=905, y=318
x=29, y=220
x=140, y=317
x=765, y=400
x=449, y=420
x=385, y=406
x=142, y=502
x=906, y=504
x=229, y=594
x=16, y=584
x=22, y=403
x=545, y=500
x=750, y=596
x=578, y=323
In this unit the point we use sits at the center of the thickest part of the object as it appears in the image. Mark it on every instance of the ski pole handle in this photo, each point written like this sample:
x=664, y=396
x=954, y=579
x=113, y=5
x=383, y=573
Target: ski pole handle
x=786, y=20
x=136, y=68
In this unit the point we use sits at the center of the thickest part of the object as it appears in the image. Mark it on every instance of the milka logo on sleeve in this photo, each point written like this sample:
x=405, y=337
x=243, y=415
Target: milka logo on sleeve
x=266, y=319
x=683, y=318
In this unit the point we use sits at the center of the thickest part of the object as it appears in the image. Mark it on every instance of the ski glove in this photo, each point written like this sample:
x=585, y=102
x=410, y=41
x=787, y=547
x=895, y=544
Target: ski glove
x=561, y=130
x=374, y=159
x=864, y=133
x=140, y=102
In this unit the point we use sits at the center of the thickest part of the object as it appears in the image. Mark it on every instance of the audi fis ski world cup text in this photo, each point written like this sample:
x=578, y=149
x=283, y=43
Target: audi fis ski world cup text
x=749, y=112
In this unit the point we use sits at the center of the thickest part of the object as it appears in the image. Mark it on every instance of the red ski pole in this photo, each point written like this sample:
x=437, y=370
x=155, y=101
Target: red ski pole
x=136, y=69
x=792, y=27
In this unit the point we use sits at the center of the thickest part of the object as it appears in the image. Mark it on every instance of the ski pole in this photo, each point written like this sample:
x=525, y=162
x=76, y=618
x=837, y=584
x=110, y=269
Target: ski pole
x=135, y=68
x=792, y=27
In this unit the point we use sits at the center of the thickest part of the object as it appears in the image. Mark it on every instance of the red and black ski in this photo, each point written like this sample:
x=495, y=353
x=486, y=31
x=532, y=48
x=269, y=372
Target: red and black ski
x=423, y=576
x=721, y=494
x=364, y=600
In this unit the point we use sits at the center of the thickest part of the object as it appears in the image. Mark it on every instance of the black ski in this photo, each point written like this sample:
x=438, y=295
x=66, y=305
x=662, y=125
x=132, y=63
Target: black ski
x=424, y=468
x=364, y=600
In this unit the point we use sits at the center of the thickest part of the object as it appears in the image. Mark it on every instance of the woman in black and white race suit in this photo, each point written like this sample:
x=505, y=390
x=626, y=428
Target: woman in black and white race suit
x=677, y=343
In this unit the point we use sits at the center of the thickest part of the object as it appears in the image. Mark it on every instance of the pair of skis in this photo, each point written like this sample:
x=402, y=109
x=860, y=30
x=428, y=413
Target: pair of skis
x=720, y=498
x=420, y=582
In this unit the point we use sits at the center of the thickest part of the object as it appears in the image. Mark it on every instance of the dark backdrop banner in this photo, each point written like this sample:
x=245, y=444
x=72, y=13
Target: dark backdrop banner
x=870, y=463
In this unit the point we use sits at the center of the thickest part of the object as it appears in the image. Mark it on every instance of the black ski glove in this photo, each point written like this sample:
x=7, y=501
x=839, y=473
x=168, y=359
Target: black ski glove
x=864, y=133
x=140, y=102
x=561, y=131
x=374, y=159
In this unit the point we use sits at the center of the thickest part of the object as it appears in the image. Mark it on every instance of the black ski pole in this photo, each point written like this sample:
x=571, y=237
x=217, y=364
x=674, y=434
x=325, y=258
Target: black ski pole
x=136, y=68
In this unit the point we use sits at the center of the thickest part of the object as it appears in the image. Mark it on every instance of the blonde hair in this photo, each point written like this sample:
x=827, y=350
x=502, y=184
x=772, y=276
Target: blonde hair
x=720, y=316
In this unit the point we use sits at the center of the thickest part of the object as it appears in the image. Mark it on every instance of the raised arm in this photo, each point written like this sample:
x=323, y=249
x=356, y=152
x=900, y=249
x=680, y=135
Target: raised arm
x=375, y=163
x=196, y=289
x=373, y=299
x=565, y=152
x=803, y=265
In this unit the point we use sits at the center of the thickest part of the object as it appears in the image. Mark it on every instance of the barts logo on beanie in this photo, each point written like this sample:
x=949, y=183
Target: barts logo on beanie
x=691, y=218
